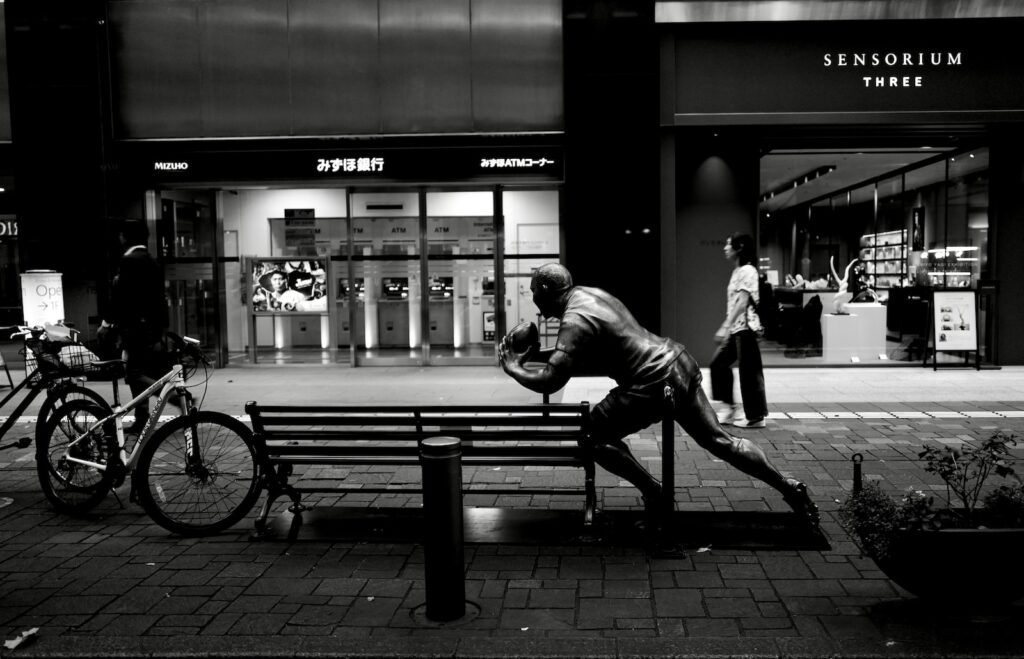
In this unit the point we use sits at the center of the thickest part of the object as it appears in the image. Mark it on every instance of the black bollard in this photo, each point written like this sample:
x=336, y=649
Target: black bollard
x=444, y=569
x=668, y=453
x=857, y=477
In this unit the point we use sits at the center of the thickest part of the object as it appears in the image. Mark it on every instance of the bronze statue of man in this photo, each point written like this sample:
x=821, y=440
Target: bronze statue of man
x=597, y=335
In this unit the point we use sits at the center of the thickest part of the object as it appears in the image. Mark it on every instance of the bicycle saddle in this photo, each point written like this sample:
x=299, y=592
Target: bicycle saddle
x=60, y=333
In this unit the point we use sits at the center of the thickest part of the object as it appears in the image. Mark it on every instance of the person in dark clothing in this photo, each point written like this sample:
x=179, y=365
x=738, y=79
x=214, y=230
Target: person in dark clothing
x=737, y=340
x=138, y=311
x=597, y=335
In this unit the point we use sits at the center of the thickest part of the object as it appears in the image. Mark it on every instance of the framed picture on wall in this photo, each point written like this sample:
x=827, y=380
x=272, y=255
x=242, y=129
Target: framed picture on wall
x=292, y=286
x=917, y=230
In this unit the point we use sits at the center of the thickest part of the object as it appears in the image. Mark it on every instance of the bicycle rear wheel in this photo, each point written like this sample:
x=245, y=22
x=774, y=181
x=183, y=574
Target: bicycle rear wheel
x=60, y=395
x=72, y=487
x=201, y=484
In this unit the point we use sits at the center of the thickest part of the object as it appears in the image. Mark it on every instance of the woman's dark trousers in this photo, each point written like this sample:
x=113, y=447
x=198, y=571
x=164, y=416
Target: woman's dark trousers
x=740, y=347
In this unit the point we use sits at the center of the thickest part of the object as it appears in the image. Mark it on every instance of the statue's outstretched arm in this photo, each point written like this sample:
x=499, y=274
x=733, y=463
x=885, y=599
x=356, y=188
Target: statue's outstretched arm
x=549, y=378
x=545, y=380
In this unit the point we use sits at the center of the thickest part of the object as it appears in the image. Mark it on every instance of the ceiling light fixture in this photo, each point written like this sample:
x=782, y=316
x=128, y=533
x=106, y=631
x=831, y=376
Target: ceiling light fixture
x=812, y=175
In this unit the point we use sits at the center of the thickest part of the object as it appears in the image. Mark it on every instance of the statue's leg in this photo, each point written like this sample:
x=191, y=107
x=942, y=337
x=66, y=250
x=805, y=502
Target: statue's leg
x=614, y=418
x=697, y=418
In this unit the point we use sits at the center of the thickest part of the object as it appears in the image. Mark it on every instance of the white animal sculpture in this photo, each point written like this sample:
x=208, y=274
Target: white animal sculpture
x=843, y=296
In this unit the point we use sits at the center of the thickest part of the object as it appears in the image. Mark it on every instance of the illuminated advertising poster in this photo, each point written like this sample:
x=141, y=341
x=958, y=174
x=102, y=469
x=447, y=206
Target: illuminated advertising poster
x=42, y=297
x=289, y=286
x=956, y=326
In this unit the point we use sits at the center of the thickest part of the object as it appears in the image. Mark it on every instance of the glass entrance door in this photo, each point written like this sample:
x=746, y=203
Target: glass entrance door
x=532, y=239
x=187, y=242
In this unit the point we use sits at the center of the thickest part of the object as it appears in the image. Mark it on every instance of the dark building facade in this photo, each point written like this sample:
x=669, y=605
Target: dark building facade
x=400, y=167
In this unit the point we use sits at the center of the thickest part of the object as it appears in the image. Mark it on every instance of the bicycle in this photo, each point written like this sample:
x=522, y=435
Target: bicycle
x=194, y=475
x=59, y=375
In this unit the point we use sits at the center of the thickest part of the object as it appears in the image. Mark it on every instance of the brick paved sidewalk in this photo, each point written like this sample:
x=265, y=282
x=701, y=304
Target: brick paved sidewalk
x=115, y=584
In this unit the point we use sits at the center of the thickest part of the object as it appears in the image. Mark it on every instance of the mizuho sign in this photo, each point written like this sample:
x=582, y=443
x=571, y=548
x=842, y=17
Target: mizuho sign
x=170, y=166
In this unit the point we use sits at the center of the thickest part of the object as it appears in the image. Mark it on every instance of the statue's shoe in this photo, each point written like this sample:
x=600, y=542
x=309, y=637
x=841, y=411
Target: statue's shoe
x=800, y=501
x=655, y=514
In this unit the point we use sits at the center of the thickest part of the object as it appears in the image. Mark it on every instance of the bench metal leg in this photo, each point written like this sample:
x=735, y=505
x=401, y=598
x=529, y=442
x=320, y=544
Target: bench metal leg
x=590, y=484
x=274, y=490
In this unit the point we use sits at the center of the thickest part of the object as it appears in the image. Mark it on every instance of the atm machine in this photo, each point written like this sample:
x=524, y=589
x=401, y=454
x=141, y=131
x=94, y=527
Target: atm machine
x=345, y=336
x=393, y=312
x=442, y=311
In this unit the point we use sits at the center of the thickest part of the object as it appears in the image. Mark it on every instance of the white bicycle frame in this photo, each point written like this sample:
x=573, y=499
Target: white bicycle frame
x=173, y=381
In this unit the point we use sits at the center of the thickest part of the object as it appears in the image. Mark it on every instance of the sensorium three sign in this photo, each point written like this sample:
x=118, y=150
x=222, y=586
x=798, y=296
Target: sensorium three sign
x=897, y=71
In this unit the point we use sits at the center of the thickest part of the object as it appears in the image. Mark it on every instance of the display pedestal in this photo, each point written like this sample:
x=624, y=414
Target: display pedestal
x=859, y=334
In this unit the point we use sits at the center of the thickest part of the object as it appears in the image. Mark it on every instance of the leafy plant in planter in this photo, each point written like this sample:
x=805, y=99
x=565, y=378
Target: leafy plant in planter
x=960, y=552
x=965, y=471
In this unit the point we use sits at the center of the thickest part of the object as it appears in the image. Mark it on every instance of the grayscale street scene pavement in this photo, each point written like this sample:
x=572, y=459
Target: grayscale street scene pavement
x=115, y=584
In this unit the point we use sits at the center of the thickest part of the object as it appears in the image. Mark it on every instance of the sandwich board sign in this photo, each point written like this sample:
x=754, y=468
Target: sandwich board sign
x=954, y=324
x=42, y=297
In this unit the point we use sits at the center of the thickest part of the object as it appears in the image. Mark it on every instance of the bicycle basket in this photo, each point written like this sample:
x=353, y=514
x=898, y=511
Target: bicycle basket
x=70, y=361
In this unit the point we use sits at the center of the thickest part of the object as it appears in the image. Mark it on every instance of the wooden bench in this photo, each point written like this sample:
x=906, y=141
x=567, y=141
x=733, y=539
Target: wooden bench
x=549, y=434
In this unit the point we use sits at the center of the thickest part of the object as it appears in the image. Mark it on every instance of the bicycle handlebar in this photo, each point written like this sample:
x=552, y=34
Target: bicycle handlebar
x=20, y=330
x=55, y=333
x=188, y=347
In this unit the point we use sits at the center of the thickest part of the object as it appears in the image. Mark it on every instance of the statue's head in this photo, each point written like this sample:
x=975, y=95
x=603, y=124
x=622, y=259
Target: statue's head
x=550, y=285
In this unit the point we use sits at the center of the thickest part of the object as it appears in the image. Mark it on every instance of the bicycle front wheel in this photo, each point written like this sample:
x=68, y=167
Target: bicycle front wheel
x=198, y=474
x=73, y=487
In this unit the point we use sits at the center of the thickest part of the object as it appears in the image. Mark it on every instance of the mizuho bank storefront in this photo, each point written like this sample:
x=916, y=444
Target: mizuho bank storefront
x=364, y=256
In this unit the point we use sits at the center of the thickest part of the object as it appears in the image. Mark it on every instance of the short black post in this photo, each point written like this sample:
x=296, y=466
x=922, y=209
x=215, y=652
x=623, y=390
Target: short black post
x=668, y=453
x=444, y=570
x=858, y=484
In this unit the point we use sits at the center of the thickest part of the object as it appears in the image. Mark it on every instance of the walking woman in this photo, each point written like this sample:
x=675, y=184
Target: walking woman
x=737, y=341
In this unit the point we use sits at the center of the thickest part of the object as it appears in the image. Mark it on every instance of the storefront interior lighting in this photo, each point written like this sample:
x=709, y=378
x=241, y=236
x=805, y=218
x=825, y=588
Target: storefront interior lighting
x=943, y=252
x=798, y=181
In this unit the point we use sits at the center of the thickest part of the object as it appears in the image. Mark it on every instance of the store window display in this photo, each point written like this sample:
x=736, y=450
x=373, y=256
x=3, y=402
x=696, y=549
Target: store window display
x=904, y=223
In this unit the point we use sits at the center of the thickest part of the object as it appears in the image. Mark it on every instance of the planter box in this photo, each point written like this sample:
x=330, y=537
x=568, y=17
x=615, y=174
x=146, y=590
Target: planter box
x=963, y=567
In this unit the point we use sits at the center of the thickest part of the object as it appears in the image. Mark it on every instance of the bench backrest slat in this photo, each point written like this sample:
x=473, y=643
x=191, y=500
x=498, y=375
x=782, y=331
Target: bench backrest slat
x=378, y=434
x=539, y=408
x=467, y=451
x=418, y=423
x=540, y=419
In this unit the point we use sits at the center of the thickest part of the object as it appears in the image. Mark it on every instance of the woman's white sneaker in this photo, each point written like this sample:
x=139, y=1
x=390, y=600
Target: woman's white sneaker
x=750, y=423
x=728, y=417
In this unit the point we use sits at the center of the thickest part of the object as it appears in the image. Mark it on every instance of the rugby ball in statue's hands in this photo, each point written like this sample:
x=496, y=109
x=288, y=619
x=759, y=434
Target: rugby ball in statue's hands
x=523, y=336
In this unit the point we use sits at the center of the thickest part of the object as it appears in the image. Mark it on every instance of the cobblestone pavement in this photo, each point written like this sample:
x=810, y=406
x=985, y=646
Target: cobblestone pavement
x=114, y=584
